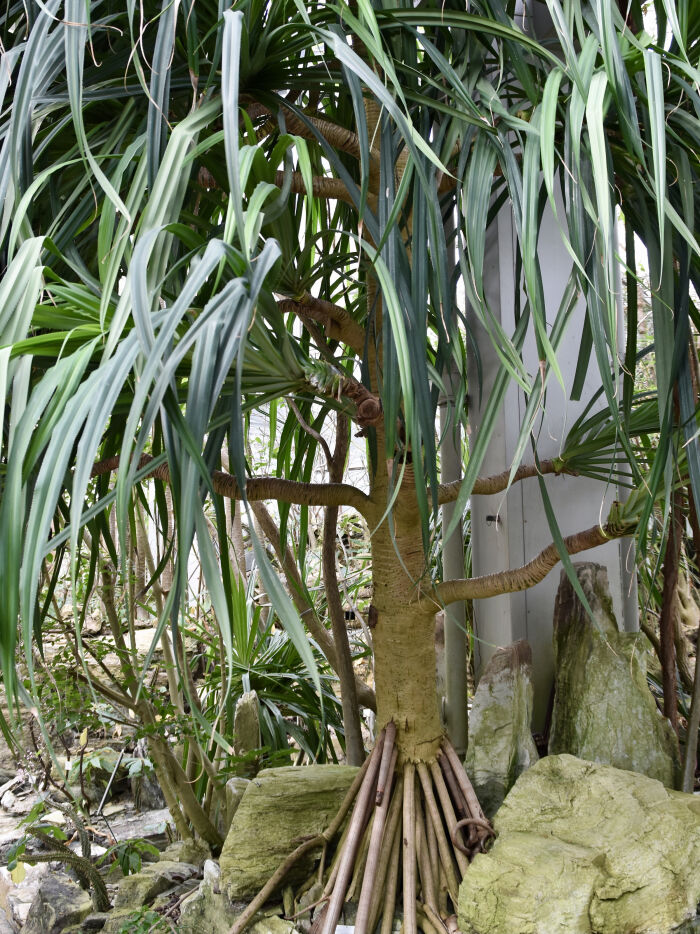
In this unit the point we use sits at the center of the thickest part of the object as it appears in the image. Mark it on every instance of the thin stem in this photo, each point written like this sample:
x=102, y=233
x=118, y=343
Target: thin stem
x=448, y=812
x=386, y=769
x=288, y=491
x=410, y=925
x=444, y=848
x=337, y=321
x=372, y=864
x=486, y=486
x=522, y=578
x=306, y=847
x=357, y=822
x=389, y=840
x=669, y=607
x=392, y=881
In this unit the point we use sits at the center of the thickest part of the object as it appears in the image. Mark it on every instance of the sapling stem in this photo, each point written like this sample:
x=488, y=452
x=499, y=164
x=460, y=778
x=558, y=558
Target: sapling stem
x=392, y=880
x=444, y=848
x=357, y=822
x=372, y=864
x=386, y=769
x=448, y=811
x=410, y=925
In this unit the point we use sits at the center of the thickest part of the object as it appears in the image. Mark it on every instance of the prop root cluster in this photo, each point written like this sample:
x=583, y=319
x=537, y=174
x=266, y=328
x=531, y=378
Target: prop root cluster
x=413, y=830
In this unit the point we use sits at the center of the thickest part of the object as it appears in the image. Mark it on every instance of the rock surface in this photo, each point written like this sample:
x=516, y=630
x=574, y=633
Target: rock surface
x=207, y=909
x=584, y=848
x=235, y=789
x=500, y=738
x=58, y=904
x=140, y=889
x=603, y=708
x=246, y=724
x=279, y=806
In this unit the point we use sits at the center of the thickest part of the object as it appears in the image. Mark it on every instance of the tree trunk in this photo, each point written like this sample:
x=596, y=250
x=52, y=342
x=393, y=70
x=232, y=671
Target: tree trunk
x=404, y=635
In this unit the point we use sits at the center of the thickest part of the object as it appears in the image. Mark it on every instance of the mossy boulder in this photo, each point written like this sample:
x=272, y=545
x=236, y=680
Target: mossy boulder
x=207, y=909
x=279, y=808
x=58, y=904
x=500, y=738
x=603, y=708
x=141, y=888
x=585, y=848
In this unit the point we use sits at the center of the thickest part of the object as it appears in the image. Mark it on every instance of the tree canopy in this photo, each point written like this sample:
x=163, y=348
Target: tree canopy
x=208, y=210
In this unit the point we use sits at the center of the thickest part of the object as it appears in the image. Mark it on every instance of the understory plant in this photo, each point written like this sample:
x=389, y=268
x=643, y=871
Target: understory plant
x=207, y=211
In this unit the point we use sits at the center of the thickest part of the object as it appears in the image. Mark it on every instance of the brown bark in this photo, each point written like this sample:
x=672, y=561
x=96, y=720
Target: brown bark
x=404, y=634
x=354, y=746
x=322, y=187
x=338, y=136
x=485, y=486
x=522, y=578
x=337, y=321
x=669, y=608
x=260, y=488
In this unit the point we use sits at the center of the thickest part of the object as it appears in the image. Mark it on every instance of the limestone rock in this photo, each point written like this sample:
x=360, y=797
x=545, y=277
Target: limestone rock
x=279, y=806
x=500, y=737
x=196, y=852
x=146, y=825
x=584, y=848
x=603, y=708
x=273, y=925
x=121, y=919
x=58, y=904
x=246, y=724
x=207, y=909
x=19, y=897
x=140, y=889
x=235, y=788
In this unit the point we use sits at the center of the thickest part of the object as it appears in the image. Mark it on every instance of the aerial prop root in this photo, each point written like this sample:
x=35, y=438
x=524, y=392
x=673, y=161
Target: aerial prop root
x=412, y=833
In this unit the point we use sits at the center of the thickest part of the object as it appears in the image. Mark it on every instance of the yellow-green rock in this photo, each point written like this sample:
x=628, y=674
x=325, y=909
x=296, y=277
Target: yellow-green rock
x=500, y=738
x=603, y=708
x=279, y=808
x=585, y=848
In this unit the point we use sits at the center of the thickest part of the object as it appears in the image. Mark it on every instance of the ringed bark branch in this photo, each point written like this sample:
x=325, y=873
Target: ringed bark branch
x=522, y=578
x=486, y=486
x=339, y=324
x=322, y=186
x=338, y=136
x=261, y=488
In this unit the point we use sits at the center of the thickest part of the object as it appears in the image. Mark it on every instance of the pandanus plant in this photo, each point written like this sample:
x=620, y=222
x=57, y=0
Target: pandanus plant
x=209, y=210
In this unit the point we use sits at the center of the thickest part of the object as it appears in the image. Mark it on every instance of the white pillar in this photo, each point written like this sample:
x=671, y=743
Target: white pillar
x=509, y=530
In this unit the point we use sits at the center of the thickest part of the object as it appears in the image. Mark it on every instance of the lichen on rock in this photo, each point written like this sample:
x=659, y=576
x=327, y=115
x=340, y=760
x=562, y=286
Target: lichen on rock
x=500, y=739
x=278, y=809
x=585, y=848
x=603, y=708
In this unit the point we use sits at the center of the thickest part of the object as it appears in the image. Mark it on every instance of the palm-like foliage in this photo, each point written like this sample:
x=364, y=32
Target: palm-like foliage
x=205, y=210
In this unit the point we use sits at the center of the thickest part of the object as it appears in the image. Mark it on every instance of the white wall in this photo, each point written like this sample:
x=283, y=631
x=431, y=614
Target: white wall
x=522, y=529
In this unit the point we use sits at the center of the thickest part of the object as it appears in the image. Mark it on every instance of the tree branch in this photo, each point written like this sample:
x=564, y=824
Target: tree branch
x=322, y=186
x=339, y=137
x=306, y=610
x=485, y=486
x=260, y=488
x=354, y=745
x=522, y=578
x=339, y=324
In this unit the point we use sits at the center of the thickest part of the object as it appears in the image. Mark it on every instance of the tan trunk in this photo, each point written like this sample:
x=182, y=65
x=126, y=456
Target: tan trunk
x=404, y=636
